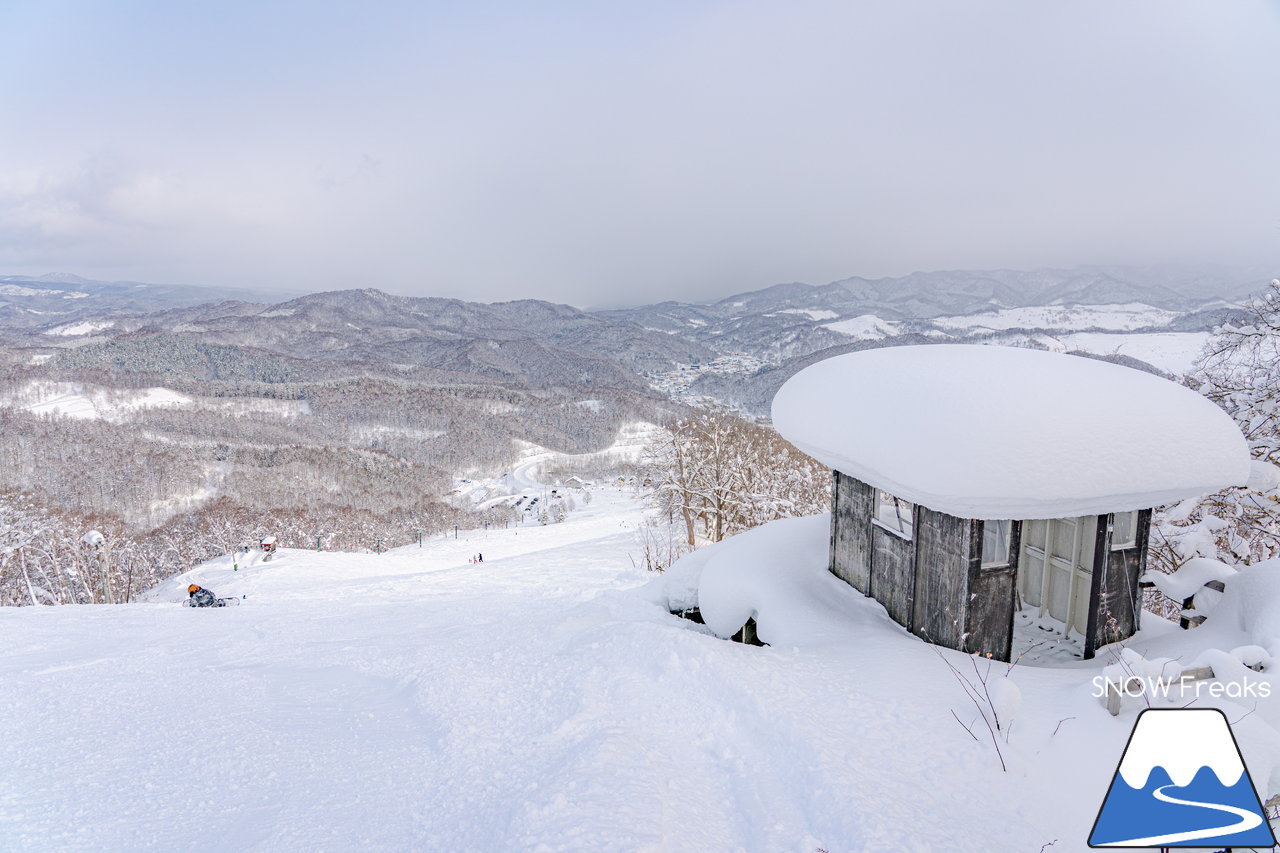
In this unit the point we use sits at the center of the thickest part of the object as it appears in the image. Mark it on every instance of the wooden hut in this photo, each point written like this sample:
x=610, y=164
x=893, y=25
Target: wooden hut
x=974, y=483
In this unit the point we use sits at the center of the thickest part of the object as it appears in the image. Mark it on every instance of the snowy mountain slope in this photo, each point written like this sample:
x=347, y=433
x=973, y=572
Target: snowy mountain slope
x=1121, y=318
x=90, y=402
x=529, y=340
x=536, y=701
x=28, y=302
x=794, y=320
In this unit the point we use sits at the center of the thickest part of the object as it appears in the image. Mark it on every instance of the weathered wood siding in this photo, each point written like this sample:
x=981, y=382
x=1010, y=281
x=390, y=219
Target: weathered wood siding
x=994, y=599
x=851, y=531
x=893, y=572
x=1115, y=601
x=932, y=583
x=943, y=548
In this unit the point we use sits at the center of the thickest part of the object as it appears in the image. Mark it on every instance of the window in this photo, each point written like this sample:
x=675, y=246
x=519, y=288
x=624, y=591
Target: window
x=1124, y=530
x=893, y=514
x=995, y=543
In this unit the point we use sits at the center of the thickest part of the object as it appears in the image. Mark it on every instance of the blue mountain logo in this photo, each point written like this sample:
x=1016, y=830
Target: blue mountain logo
x=1181, y=783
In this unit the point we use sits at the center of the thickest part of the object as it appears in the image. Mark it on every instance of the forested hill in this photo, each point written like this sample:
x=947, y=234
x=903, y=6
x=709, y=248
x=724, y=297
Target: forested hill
x=351, y=413
x=142, y=401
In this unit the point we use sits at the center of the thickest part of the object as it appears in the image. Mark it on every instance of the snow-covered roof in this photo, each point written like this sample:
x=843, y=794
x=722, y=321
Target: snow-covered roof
x=1002, y=432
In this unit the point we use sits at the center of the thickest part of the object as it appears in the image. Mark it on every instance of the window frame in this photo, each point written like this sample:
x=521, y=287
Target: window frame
x=1008, y=545
x=907, y=527
x=1132, y=540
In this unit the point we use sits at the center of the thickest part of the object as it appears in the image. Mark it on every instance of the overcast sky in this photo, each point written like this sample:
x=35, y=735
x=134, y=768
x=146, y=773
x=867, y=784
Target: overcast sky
x=610, y=153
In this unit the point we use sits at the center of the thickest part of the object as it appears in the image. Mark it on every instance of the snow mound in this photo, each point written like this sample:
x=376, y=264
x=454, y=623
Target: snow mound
x=1190, y=578
x=1263, y=476
x=1002, y=432
x=776, y=574
x=1250, y=605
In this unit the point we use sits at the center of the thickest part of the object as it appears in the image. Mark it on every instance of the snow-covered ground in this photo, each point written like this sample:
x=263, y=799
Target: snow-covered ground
x=866, y=327
x=540, y=700
x=1172, y=352
x=528, y=476
x=814, y=314
x=1126, y=317
x=86, y=327
x=76, y=400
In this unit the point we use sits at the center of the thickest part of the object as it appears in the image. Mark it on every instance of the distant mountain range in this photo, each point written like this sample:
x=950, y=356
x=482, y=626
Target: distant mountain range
x=532, y=342
x=377, y=402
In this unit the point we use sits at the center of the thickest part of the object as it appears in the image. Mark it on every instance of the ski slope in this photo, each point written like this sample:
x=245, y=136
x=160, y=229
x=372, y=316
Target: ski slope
x=537, y=701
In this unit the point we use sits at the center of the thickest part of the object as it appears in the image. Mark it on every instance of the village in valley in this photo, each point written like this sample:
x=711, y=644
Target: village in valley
x=678, y=382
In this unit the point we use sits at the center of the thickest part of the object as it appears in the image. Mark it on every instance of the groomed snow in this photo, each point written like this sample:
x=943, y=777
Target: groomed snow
x=1003, y=432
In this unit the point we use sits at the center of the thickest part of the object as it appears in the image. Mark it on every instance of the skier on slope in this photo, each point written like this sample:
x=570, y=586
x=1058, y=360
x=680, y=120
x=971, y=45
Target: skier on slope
x=201, y=597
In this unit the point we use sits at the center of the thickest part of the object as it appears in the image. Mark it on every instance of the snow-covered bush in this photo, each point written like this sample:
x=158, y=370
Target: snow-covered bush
x=659, y=545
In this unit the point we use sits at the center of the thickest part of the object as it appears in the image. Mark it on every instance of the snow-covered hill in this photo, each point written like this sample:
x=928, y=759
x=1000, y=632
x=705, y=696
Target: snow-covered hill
x=539, y=700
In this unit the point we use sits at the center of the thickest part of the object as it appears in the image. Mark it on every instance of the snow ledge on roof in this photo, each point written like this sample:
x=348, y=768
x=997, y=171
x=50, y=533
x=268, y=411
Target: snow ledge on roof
x=1002, y=432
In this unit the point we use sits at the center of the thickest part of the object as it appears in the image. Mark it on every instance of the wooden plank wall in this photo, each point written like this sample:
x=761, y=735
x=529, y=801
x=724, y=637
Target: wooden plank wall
x=994, y=599
x=893, y=575
x=951, y=598
x=851, y=532
x=942, y=586
x=1115, y=602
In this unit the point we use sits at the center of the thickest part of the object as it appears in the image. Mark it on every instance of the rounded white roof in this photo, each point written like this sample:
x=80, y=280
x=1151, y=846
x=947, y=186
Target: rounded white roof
x=1003, y=432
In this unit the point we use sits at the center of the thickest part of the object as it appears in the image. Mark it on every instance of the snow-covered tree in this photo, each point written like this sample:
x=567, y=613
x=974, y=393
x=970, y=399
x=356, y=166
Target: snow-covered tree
x=1240, y=371
x=720, y=474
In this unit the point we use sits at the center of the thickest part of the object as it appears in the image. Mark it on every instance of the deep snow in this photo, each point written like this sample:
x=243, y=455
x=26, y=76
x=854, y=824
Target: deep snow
x=539, y=700
x=930, y=424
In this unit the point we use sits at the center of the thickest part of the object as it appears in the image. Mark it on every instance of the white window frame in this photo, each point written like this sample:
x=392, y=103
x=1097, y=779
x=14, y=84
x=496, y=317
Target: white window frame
x=886, y=504
x=1130, y=541
x=1008, y=544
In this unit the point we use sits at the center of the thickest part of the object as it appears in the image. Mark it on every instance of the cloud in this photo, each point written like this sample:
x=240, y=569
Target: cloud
x=609, y=156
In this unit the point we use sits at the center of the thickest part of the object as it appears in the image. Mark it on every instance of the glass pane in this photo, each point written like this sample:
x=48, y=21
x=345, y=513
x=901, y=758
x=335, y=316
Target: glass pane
x=1033, y=533
x=995, y=542
x=1063, y=531
x=1080, y=607
x=1124, y=532
x=1088, y=533
x=1030, y=577
x=893, y=513
x=1059, y=582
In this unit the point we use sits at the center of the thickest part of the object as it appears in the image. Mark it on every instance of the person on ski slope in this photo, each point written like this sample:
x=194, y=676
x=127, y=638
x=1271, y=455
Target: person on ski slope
x=201, y=597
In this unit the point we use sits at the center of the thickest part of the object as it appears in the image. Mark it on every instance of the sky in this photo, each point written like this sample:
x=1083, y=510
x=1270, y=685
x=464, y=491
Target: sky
x=623, y=153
